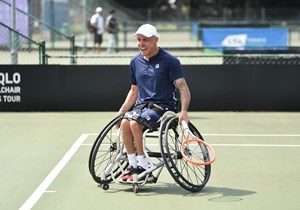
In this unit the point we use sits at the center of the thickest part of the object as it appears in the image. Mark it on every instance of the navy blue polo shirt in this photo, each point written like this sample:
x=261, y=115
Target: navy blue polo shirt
x=155, y=78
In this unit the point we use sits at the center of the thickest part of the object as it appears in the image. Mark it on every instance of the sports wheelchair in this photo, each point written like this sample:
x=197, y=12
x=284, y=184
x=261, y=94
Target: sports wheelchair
x=108, y=159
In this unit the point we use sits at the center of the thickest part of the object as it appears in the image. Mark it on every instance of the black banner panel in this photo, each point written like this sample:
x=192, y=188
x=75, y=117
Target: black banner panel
x=104, y=88
x=29, y=88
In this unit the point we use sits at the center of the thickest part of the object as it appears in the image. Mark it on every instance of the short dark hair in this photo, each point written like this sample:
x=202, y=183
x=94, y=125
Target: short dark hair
x=112, y=11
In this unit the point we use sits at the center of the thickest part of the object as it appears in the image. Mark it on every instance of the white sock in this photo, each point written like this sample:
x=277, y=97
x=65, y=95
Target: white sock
x=142, y=161
x=132, y=160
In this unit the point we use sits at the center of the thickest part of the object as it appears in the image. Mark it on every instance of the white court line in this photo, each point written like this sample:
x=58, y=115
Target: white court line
x=31, y=201
x=253, y=135
x=50, y=191
x=239, y=135
x=236, y=145
x=256, y=145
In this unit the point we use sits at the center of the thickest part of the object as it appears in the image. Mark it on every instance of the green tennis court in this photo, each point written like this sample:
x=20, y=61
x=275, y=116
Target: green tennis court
x=44, y=164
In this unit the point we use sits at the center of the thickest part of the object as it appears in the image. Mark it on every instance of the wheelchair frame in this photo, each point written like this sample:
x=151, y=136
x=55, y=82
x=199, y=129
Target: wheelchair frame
x=108, y=159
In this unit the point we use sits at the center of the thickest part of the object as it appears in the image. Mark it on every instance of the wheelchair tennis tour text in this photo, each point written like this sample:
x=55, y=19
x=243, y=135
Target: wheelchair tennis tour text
x=9, y=87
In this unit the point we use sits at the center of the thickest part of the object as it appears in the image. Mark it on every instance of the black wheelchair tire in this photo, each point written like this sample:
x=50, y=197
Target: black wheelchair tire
x=191, y=177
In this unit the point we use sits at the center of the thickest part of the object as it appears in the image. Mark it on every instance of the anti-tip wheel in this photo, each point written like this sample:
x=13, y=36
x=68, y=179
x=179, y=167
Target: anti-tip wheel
x=105, y=186
x=135, y=188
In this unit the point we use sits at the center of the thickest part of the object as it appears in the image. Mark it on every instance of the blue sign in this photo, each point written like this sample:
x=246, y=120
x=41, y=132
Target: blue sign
x=241, y=38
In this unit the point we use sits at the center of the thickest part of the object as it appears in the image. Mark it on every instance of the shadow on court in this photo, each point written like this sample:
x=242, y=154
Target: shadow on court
x=216, y=194
x=226, y=194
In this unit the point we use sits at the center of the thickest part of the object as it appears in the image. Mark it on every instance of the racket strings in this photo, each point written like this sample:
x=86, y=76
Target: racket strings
x=197, y=151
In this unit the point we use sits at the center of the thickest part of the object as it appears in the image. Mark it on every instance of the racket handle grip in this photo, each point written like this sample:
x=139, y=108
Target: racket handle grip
x=184, y=125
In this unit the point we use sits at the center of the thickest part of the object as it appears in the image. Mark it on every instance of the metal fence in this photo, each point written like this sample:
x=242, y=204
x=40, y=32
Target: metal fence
x=18, y=48
x=35, y=30
x=70, y=43
x=191, y=57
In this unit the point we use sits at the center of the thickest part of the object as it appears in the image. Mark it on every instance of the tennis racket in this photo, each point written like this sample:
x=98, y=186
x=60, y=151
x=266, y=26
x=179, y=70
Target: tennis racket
x=194, y=149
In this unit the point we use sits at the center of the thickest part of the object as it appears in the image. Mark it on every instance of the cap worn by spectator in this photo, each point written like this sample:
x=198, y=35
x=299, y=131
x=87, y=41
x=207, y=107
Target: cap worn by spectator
x=99, y=9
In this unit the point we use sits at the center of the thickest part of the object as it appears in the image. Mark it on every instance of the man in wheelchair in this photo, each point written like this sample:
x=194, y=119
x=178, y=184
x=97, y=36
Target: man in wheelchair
x=155, y=77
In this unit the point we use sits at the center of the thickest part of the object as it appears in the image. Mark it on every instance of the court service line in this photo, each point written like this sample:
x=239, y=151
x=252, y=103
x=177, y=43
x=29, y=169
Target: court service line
x=234, y=145
x=238, y=135
x=31, y=201
x=256, y=145
x=252, y=135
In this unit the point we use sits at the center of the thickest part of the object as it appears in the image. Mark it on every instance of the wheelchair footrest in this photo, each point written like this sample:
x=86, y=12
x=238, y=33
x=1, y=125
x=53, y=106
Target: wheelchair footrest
x=154, y=154
x=158, y=155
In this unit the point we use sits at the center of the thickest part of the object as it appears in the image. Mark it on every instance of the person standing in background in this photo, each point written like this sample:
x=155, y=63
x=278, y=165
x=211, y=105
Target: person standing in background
x=111, y=26
x=98, y=23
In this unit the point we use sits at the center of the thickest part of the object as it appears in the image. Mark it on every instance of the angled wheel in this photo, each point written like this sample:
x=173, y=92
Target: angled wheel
x=104, y=150
x=189, y=176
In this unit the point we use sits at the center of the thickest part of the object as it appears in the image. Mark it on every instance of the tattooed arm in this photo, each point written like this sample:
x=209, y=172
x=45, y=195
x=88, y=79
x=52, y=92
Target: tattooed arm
x=185, y=98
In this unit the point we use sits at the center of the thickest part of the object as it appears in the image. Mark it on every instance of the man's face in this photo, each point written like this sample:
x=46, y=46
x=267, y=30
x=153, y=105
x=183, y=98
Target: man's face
x=147, y=45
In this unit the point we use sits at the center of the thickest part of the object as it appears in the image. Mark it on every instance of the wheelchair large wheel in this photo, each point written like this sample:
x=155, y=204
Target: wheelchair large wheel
x=102, y=156
x=189, y=176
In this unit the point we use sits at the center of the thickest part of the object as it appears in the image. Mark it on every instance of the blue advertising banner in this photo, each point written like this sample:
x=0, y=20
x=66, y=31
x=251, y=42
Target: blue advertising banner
x=242, y=38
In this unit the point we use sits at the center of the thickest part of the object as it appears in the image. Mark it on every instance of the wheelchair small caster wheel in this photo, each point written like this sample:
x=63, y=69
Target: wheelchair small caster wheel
x=135, y=188
x=105, y=186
